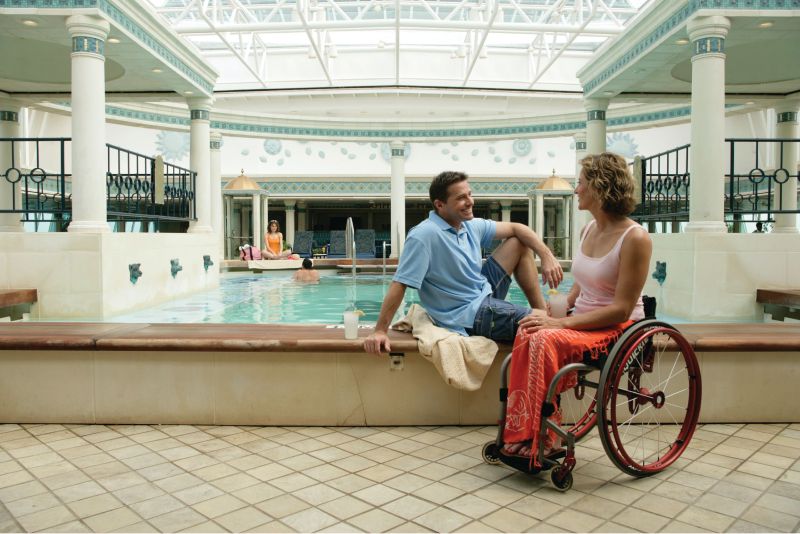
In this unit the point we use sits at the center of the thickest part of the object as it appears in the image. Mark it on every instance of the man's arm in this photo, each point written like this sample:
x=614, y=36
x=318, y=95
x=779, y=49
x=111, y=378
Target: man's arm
x=379, y=338
x=552, y=273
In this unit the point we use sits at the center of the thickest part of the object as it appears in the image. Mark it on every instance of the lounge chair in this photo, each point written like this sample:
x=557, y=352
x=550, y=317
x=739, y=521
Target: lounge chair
x=365, y=243
x=337, y=247
x=303, y=242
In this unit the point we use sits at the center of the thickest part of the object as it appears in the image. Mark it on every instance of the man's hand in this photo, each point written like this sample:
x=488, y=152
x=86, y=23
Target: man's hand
x=552, y=273
x=376, y=341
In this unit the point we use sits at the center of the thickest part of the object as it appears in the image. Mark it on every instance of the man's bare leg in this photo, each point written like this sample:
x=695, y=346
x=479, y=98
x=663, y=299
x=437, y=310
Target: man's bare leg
x=516, y=258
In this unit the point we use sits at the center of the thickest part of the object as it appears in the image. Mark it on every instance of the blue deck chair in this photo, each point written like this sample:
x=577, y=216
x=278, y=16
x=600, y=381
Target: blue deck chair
x=337, y=248
x=302, y=244
x=365, y=243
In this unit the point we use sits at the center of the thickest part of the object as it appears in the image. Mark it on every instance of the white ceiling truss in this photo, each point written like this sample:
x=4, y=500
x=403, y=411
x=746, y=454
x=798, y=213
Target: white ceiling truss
x=472, y=32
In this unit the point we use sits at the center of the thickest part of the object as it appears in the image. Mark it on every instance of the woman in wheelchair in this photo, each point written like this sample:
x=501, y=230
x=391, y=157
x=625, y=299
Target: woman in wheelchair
x=609, y=269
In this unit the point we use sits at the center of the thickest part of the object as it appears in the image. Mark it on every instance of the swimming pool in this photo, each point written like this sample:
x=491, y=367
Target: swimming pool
x=274, y=298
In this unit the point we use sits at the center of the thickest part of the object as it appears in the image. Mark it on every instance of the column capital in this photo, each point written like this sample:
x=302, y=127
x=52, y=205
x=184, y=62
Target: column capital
x=398, y=149
x=9, y=109
x=215, y=140
x=505, y=204
x=199, y=107
x=88, y=34
x=595, y=104
x=786, y=110
x=289, y=204
x=580, y=142
x=708, y=35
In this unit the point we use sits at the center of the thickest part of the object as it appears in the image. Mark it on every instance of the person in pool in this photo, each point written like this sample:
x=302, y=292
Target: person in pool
x=306, y=273
x=274, y=241
x=442, y=260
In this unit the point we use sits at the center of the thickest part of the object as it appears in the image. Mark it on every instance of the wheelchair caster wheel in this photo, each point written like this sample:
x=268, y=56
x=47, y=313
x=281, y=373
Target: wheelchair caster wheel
x=489, y=453
x=561, y=479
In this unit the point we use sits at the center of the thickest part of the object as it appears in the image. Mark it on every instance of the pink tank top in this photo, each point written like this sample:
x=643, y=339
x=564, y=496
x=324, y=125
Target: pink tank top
x=597, y=277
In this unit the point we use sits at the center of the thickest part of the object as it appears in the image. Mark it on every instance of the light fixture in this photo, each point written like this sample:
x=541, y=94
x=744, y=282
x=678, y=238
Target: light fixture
x=608, y=93
x=113, y=40
x=188, y=92
x=765, y=24
x=156, y=70
x=30, y=22
x=682, y=41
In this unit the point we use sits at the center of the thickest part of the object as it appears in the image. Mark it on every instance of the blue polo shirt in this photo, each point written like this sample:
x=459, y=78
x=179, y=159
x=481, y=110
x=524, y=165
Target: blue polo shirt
x=444, y=266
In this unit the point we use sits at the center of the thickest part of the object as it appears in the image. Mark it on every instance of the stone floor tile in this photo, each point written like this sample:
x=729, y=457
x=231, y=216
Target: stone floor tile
x=432, y=453
x=293, y=482
x=378, y=494
x=178, y=520
x=438, y=493
x=677, y=492
x=472, y=506
x=679, y=526
x=160, y=471
x=138, y=493
x=282, y=506
x=507, y=520
x=477, y=526
x=270, y=471
x=699, y=482
x=434, y=471
x=465, y=481
x=95, y=505
x=30, y=505
x=545, y=527
x=596, y=506
x=218, y=506
x=535, y=507
x=411, y=527
x=749, y=480
x=248, y=462
x=770, y=518
x=157, y=506
x=178, y=482
x=376, y=521
x=112, y=520
x=341, y=527
x=722, y=461
x=272, y=526
x=785, y=489
x=257, y=493
x=21, y=491
x=735, y=491
x=641, y=520
x=706, y=519
x=408, y=482
x=354, y=464
x=771, y=459
x=310, y=520
x=72, y=526
x=44, y=519
x=658, y=504
x=243, y=519
x=566, y=498
x=346, y=506
x=350, y=483
x=761, y=470
x=318, y=494
x=380, y=473
x=792, y=477
x=746, y=526
x=199, y=493
x=15, y=478
x=301, y=462
x=409, y=507
x=442, y=520
x=499, y=494
x=575, y=521
x=410, y=463
x=208, y=526
x=721, y=504
x=141, y=526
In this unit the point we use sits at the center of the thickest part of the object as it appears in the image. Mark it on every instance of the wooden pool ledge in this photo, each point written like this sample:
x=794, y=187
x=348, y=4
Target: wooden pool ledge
x=319, y=338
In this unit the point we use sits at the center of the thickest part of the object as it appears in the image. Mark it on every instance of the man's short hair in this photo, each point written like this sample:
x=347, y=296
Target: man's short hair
x=307, y=263
x=442, y=182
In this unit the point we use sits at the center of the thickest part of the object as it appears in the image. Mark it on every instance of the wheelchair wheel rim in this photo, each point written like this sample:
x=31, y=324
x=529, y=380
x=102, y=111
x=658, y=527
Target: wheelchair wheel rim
x=649, y=416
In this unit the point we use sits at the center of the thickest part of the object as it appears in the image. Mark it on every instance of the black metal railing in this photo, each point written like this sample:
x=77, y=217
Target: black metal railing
x=36, y=180
x=140, y=187
x=753, y=188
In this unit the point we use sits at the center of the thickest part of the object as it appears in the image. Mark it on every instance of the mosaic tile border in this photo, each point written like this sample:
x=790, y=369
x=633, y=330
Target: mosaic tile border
x=675, y=20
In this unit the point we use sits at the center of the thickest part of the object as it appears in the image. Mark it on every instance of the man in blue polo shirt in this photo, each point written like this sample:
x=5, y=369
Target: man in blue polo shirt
x=442, y=261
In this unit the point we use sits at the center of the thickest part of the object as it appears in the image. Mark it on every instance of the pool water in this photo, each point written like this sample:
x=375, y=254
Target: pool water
x=274, y=298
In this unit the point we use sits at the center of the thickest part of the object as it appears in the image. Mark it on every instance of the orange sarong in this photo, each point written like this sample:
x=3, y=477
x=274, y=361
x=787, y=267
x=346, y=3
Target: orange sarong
x=536, y=359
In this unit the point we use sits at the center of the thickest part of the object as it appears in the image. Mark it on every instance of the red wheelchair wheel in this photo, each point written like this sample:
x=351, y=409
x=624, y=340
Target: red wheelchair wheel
x=650, y=392
x=579, y=405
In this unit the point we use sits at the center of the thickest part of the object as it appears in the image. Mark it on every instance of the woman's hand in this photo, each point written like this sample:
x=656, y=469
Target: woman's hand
x=538, y=320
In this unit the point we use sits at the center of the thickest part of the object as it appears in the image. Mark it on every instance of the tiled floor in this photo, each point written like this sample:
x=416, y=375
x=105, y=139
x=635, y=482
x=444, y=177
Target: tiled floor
x=77, y=478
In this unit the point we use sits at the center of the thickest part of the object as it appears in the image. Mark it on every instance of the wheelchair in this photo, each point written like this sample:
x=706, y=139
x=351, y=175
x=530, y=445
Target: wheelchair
x=646, y=404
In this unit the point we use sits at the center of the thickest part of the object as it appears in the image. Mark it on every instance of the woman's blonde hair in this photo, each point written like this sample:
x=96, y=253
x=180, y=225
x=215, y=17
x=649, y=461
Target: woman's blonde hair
x=608, y=176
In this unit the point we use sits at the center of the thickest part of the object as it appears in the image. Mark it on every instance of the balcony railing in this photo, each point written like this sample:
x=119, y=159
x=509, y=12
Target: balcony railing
x=753, y=187
x=37, y=184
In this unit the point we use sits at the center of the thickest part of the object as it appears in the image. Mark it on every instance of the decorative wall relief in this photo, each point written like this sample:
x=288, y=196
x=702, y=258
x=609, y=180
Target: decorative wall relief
x=272, y=146
x=660, y=274
x=175, y=267
x=174, y=146
x=622, y=144
x=522, y=147
x=135, y=272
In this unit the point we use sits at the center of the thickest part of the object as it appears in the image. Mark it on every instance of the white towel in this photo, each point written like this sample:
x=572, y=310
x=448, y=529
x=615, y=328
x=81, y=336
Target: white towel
x=461, y=361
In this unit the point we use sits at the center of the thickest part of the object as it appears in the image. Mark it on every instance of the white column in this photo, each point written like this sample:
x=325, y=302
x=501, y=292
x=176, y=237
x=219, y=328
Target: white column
x=398, y=189
x=595, y=124
x=88, y=123
x=9, y=159
x=200, y=158
x=302, y=213
x=256, y=224
x=539, y=215
x=707, y=153
x=579, y=218
x=567, y=205
x=264, y=222
x=786, y=128
x=289, y=236
x=505, y=210
x=217, y=224
x=228, y=227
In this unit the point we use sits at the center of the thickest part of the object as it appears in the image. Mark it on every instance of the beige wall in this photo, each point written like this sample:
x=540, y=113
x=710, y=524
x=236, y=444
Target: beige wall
x=87, y=276
x=320, y=389
x=714, y=277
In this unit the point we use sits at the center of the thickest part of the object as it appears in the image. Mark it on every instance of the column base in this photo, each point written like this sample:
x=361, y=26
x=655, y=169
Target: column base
x=198, y=229
x=88, y=227
x=785, y=230
x=707, y=226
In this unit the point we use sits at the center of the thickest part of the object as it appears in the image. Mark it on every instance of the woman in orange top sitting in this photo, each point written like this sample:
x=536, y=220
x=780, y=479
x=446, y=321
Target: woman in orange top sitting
x=274, y=241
